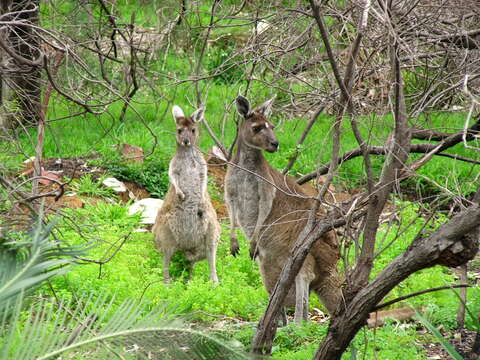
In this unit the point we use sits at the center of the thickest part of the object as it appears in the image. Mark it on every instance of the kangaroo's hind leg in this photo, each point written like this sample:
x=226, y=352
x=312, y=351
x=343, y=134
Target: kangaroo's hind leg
x=211, y=238
x=301, y=298
x=232, y=214
x=165, y=242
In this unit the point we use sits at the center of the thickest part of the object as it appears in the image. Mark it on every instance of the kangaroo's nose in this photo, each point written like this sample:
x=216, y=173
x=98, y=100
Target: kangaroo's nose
x=186, y=142
x=275, y=144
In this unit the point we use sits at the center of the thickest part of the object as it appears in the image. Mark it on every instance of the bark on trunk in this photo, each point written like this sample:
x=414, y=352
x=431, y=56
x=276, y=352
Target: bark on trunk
x=23, y=86
x=453, y=244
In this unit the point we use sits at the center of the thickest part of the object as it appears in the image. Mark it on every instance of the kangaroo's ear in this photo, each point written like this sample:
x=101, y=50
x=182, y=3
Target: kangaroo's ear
x=198, y=114
x=266, y=108
x=243, y=106
x=177, y=112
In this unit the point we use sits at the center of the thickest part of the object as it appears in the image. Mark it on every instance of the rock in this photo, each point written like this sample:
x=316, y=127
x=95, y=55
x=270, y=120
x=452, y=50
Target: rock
x=132, y=153
x=261, y=27
x=149, y=208
x=115, y=185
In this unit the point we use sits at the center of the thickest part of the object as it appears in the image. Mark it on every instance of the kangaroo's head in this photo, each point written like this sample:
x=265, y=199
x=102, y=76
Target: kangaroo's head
x=187, y=132
x=256, y=131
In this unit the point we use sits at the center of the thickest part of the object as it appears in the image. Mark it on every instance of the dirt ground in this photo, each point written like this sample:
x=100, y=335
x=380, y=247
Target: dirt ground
x=462, y=340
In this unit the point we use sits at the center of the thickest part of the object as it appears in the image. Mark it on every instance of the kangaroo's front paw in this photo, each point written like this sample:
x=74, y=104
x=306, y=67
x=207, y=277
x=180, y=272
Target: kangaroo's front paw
x=234, y=247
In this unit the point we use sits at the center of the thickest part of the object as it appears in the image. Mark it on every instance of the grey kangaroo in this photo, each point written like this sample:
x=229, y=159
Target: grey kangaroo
x=272, y=216
x=187, y=221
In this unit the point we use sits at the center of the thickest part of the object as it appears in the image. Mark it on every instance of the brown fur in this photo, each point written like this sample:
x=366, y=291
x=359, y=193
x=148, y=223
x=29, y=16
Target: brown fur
x=187, y=221
x=272, y=217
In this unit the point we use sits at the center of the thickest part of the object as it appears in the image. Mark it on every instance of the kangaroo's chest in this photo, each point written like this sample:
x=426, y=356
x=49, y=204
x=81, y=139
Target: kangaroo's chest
x=193, y=177
x=243, y=191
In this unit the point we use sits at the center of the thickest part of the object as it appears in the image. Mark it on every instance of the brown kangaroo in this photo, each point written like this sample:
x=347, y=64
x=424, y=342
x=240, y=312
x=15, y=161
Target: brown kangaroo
x=272, y=217
x=187, y=221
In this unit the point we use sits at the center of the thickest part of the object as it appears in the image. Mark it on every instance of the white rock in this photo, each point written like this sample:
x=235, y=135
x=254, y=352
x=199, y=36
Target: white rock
x=262, y=26
x=115, y=184
x=29, y=160
x=149, y=208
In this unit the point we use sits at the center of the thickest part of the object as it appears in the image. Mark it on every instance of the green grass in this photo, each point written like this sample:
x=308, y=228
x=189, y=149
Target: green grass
x=87, y=186
x=136, y=271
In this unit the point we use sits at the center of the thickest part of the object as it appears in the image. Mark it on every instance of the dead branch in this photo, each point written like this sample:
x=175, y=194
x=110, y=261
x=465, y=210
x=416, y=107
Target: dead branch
x=448, y=142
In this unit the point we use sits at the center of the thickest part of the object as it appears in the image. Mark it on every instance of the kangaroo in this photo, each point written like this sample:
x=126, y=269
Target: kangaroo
x=187, y=221
x=273, y=216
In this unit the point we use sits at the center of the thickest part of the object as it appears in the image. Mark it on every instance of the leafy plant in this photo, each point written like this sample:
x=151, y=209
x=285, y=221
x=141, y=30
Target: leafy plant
x=86, y=185
x=25, y=264
x=152, y=174
x=52, y=329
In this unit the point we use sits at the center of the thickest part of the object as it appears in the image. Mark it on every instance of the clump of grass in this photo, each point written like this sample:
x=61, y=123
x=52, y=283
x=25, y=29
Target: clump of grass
x=88, y=186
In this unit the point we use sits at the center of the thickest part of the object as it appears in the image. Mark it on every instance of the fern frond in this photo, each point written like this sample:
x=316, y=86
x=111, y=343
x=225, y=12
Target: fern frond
x=53, y=329
x=27, y=264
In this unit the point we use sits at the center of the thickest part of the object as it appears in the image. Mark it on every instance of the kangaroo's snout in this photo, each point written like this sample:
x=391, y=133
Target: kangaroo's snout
x=272, y=146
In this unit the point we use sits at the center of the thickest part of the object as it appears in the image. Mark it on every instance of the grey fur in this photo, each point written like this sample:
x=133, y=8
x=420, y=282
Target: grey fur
x=272, y=218
x=187, y=221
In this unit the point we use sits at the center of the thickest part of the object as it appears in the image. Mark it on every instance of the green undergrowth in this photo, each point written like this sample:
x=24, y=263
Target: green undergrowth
x=88, y=186
x=151, y=174
x=392, y=341
x=135, y=268
x=132, y=268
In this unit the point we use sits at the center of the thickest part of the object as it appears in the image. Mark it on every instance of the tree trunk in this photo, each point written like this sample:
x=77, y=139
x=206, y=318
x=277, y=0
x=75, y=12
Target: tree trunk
x=453, y=244
x=23, y=49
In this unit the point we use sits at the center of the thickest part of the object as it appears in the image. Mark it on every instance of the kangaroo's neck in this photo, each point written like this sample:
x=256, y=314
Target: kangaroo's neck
x=186, y=151
x=249, y=157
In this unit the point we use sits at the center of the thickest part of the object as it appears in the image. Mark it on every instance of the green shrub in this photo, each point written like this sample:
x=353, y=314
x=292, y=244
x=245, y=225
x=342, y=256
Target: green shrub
x=152, y=174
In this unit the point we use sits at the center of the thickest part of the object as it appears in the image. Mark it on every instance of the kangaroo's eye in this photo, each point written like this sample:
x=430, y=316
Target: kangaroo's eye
x=193, y=131
x=179, y=131
x=257, y=129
